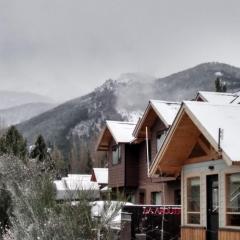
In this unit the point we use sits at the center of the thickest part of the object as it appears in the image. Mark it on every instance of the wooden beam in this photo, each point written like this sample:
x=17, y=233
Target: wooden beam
x=203, y=146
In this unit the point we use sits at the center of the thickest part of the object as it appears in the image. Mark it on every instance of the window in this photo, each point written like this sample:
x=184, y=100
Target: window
x=160, y=138
x=233, y=199
x=116, y=154
x=156, y=198
x=193, y=200
x=142, y=197
x=131, y=197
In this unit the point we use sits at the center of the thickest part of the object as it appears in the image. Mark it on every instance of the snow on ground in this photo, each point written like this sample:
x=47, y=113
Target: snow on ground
x=218, y=74
x=83, y=128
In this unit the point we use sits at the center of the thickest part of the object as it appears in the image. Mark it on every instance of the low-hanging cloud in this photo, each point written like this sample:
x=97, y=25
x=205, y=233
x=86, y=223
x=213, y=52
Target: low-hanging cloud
x=66, y=48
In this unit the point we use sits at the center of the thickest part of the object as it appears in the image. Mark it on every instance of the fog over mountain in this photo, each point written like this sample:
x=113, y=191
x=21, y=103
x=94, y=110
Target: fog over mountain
x=64, y=49
x=21, y=113
x=122, y=99
x=10, y=99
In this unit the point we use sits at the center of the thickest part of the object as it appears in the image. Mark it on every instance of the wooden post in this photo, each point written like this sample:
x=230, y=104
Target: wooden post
x=126, y=226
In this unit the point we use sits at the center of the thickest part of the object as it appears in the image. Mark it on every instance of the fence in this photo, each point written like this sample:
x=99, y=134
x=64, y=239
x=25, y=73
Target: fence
x=154, y=220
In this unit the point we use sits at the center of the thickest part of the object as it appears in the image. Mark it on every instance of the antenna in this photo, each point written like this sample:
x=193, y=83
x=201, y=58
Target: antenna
x=220, y=137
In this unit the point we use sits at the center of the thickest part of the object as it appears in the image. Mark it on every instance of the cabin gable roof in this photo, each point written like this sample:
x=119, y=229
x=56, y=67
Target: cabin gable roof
x=193, y=120
x=156, y=109
x=218, y=97
x=120, y=132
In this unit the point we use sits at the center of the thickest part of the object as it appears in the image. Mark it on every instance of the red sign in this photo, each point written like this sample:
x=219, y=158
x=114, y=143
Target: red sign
x=161, y=210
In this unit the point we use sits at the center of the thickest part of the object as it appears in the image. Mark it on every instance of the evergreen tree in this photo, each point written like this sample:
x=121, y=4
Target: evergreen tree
x=13, y=143
x=41, y=154
x=89, y=164
x=60, y=163
x=220, y=85
x=40, y=149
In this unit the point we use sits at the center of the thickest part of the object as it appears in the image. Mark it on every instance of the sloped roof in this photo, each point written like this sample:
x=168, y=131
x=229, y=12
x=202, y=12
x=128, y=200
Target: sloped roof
x=69, y=186
x=101, y=175
x=166, y=111
x=121, y=132
x=219, y=98
x=210, y=117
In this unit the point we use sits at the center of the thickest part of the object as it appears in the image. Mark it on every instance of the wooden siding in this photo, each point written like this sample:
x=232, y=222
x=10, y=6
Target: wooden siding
x=193, y=233
x=146, y=184
x=228, y=234
x=157, y=127
x=124, y=174
x=131, y=155
x=116, y=172
x=131, y=175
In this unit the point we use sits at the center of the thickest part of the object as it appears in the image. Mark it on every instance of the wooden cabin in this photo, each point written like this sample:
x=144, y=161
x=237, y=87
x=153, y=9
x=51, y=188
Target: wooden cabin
x=116, y=139
x=203, y=148
x=130, y=155
x=149, y=134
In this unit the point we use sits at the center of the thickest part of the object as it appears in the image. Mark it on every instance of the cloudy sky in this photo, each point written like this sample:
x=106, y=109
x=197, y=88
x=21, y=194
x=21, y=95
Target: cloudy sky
x=65, y=48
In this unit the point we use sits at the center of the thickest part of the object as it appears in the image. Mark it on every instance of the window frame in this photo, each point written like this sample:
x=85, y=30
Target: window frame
x=159, y=135
x=187, y=202
x=119, y=149
x=227, y=213
x=153, y=195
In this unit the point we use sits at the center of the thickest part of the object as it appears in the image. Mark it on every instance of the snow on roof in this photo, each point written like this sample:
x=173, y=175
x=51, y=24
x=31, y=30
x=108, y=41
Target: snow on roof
x=210, y=117
x=79, y=182
x=121, y=131
x=113, y=214
x=237, y=93
x=166, y=111
x=101, y=175
x=219, y=97
x=71, y=185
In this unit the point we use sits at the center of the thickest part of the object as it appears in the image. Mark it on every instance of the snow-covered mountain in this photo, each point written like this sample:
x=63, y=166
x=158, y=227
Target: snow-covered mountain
x=18, y=114
x=120, y=99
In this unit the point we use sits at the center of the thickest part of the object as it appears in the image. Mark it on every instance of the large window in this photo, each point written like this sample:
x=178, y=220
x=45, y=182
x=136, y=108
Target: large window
x=116, y=154
x=193, y=200
x=156, y=198
x=160, y=138
x=233, y=199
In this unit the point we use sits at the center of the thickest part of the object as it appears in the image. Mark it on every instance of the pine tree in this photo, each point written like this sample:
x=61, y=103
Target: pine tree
x=13, y=143
x=220, y=86
x=60, y=163
x=89, y=163
x=41, y=154
x=40, y=149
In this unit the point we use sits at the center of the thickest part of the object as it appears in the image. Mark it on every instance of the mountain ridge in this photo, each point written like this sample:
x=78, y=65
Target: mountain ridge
x=20, y=113
x=81, y=119
x=10, y=99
